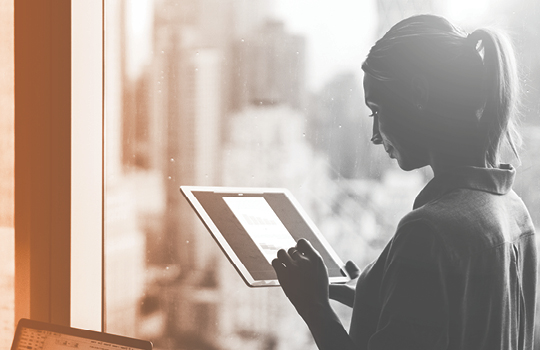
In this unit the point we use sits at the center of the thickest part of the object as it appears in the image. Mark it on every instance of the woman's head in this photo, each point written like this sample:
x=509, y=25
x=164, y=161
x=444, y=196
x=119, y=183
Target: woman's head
x=436, y=88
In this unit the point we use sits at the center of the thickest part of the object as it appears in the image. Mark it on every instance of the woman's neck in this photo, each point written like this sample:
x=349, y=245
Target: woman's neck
x=442, y=162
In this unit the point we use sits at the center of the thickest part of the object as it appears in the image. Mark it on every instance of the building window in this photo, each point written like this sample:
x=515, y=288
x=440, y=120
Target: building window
x=254, y=93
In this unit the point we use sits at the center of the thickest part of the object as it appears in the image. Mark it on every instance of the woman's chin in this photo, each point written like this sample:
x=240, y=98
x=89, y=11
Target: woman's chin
x=408, y=165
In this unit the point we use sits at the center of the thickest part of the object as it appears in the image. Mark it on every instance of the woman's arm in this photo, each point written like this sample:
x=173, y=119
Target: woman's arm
x=414, y=292
x=344, y=293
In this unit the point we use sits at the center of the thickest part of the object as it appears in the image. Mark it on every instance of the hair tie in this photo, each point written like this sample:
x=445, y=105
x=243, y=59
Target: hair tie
x=472, y=39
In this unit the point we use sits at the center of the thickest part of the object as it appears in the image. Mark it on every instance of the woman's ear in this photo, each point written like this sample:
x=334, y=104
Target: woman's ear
x=420, y=91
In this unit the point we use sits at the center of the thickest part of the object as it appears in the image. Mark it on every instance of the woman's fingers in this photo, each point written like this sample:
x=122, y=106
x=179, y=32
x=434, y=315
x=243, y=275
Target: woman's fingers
x=302, y=255
x=307, y=249
x=293, y=253
x=284, y=257
x=278, y=266
x=281, y=272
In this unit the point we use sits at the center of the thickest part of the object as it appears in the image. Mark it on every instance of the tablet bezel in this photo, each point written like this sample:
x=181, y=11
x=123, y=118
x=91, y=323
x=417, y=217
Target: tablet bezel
x=187, y=191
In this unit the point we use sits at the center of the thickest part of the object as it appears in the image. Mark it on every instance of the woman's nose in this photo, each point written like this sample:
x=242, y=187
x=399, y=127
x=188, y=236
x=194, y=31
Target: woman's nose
x=376, y=137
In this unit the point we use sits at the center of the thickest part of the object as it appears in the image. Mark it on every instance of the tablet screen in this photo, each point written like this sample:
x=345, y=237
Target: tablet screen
x=251, y=225
x=261, y=224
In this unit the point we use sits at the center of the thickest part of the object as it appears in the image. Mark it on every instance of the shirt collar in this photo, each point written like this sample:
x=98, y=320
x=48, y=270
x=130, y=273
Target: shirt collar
x=493, y=180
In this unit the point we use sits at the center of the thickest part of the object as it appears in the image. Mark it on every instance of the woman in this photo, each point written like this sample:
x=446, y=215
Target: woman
x=460, y=271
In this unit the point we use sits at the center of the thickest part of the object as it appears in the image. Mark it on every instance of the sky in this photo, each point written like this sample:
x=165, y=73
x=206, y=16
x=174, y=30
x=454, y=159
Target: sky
x=339, y=34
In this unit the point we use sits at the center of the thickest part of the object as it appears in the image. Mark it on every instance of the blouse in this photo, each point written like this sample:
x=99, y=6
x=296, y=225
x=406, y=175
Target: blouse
x=459, y=273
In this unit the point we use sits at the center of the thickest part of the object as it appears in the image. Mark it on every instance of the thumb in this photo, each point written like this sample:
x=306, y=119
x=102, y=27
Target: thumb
x=352, y=269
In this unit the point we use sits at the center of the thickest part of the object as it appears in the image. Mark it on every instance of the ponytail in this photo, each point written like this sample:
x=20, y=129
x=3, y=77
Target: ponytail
x=500, y=90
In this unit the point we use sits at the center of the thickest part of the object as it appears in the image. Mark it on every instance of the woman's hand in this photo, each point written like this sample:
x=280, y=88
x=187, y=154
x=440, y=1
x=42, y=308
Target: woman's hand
x=303, y=276
x=304, y=279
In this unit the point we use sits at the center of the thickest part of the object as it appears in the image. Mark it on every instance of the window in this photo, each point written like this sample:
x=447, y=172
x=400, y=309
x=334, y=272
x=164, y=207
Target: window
x=190, y=102
x=252, y=93
x=58, y=161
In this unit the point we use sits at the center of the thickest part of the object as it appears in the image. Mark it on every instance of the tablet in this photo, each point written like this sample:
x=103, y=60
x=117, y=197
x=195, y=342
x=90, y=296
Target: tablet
x=251, y=224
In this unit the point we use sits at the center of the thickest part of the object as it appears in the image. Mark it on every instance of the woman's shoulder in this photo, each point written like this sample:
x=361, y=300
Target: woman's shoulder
x=417, y=238
x=424, y=219
x=461, y=210
x=439, y=228
x=467, y=221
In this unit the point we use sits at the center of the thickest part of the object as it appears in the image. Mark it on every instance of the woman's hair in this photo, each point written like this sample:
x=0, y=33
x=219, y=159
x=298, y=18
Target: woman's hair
x=472, y=76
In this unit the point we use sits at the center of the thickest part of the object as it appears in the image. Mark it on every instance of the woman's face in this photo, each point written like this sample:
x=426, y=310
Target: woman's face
x=394, y=124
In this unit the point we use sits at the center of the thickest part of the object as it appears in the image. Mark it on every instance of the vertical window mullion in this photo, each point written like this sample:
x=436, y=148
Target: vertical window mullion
x=87, y=165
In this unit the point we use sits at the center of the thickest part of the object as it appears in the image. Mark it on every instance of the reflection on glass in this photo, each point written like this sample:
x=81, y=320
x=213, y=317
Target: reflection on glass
x=243, y=93
x=7, y=185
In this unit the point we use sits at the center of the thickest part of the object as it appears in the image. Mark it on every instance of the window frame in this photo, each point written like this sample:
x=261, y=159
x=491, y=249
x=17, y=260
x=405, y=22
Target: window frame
x=59, y=162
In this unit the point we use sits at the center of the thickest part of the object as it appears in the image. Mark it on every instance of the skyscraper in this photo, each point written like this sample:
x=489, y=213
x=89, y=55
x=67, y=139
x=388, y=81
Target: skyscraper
x=269, y=68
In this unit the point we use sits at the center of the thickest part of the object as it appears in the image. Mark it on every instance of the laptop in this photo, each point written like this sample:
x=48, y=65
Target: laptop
x=35, y=335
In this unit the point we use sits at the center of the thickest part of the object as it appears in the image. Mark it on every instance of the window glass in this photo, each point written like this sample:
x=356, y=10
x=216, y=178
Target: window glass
x=255, y=93
x=7, y=185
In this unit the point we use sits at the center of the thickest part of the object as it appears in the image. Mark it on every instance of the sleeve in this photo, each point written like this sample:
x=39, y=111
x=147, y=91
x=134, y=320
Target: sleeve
x=413, y=292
